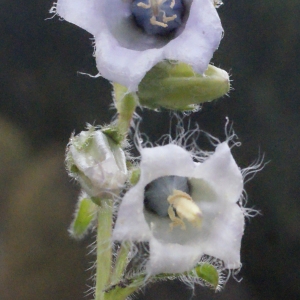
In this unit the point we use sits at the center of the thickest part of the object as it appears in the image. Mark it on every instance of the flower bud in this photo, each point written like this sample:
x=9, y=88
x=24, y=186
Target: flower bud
x=97, y=162
x=176, y=86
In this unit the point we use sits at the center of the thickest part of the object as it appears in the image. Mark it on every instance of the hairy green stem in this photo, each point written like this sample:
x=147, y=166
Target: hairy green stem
x=125, y=103
x=104, y=251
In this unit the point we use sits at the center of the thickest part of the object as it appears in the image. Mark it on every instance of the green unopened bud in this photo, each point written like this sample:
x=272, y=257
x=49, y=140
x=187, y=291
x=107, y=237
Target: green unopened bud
x=97, y=162
x=176, y=86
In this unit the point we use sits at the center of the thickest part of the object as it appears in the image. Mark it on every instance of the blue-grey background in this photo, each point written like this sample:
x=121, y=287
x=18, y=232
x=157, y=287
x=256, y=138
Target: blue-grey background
x=43, y=99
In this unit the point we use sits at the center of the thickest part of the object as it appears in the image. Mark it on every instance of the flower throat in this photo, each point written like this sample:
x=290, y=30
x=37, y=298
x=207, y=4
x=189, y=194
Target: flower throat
x=158, y=17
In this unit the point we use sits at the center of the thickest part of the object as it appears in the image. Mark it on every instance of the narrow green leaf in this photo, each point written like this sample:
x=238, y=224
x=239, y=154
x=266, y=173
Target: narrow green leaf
x=84, y=215
x=121, y=263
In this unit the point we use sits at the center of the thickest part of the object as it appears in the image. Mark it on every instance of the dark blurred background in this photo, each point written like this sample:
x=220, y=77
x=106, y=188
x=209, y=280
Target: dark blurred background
x=43, y=99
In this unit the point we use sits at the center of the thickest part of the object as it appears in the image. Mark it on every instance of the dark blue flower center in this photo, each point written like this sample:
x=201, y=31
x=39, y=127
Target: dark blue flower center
x=158, y=191
x=158, y=17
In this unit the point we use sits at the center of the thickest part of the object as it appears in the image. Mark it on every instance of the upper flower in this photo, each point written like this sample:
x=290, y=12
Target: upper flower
x=184, y=209
x=97, y=162
x=131, y=36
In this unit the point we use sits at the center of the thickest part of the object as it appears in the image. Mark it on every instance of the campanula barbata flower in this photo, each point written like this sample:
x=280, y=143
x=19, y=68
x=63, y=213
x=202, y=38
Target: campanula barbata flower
x=131, y=36
x=97, y=162
x=184, y=209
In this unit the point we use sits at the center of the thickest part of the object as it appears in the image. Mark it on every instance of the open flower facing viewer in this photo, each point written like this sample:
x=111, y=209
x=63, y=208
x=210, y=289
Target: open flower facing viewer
x=132, y=36
x=184, y=209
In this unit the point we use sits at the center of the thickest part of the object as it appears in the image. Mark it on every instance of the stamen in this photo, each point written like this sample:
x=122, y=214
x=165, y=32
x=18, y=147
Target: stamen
x=154, y=22
x=155, y=6
x=158, y=16
x=168, y=19
x=175, y=220
x=157, y=192
x=143, y=5
x=185, y=208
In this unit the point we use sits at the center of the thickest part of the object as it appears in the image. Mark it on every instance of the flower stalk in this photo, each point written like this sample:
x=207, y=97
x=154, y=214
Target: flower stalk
x=125, y=104
x=104, y=250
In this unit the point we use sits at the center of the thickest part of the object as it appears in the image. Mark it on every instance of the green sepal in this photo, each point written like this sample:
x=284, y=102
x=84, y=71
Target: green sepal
x=205, y=271
x=208, y=273
x=84, y=216
x=96, y=200
x=84, y=143
x=114, y=134
x=120, y=293
x=135, y=176
x=176, y=86
x=123, y=289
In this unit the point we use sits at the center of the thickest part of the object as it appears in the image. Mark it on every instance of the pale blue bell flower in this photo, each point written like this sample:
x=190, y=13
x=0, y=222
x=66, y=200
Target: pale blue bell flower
x=124, y=52
x=159, y=17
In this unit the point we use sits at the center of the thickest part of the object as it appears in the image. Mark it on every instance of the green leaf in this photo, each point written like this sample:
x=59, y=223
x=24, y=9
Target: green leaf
x=84, y=215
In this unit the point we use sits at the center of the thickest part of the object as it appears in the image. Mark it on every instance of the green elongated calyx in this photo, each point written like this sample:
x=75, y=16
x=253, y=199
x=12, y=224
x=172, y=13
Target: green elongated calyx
x=176, y=86
x=84, y=215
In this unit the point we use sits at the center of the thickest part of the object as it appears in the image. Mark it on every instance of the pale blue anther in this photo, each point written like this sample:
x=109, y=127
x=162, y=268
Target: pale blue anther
x=158, y=17
x=158, y=191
